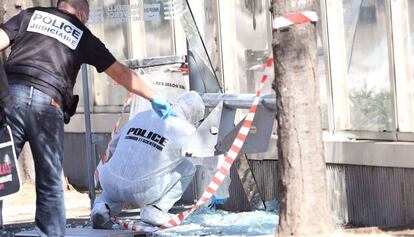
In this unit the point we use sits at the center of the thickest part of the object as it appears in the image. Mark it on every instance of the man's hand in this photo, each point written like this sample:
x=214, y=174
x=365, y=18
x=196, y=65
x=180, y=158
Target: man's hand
x=70, y=109
x=161, y=107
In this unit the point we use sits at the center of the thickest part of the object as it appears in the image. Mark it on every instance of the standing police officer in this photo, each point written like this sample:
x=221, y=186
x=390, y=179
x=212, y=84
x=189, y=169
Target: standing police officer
x=49, y=45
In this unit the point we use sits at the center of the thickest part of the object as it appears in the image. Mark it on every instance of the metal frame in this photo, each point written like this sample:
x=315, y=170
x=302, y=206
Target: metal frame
x=155, y=61
x=391, y=68
x=88, y=136
x=206, y=143
x=220, y=47
x=202, y=41
x=405, y=136
x=366, y=135
x=326, y=46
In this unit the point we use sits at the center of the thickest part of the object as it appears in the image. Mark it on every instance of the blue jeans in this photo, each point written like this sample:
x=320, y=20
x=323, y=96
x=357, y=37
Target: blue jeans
x=33, y=118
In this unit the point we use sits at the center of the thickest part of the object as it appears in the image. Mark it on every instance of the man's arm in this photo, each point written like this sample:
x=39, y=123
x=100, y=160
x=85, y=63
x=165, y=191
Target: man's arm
x=4, y=40
x=130, y=80
x=4, y=85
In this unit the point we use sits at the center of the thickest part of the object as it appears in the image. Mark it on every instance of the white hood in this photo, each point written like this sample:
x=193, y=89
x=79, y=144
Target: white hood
x=190, y=106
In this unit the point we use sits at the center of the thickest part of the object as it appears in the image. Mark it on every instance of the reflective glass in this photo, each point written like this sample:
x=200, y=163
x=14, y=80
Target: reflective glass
x=130, y=30
x=246, y=44
x=201, y=30
x=322, y=78
x=246, y=36
x=411, y=17
x=368, y=77
x=406, y=90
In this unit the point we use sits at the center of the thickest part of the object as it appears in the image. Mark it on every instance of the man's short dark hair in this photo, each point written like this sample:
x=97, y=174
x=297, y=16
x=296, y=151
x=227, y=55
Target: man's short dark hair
x=77, y=4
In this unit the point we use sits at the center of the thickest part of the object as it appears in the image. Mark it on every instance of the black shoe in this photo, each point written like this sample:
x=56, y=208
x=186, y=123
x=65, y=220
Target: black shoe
x=101, y=219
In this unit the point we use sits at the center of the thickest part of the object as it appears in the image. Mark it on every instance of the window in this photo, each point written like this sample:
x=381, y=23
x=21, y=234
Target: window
x=130, y=30
x=359, y=54
x=246, y=44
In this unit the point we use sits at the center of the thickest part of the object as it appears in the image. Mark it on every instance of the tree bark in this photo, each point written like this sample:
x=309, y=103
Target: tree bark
x=304, y=209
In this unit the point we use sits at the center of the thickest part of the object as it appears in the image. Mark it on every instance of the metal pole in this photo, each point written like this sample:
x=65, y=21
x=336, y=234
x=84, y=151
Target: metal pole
x=240, y=101
x=88, y=135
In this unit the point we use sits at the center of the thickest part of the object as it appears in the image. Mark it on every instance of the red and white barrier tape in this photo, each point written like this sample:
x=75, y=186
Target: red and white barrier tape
x=294, y=19
x=134, y=227
x=115, y=130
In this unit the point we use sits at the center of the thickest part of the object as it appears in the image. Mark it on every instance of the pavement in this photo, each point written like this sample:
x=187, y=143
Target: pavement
x=19, y=209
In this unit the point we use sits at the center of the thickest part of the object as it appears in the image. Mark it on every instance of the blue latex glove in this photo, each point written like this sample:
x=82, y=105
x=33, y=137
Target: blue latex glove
x=216, y=201
x=161, y=107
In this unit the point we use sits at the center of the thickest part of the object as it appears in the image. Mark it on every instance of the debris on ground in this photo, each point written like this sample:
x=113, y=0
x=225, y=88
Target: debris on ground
x=19, y=209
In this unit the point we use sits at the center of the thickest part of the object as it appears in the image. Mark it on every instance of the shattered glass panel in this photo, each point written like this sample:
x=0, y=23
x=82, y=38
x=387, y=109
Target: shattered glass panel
x=203, y=76
x=368, y=65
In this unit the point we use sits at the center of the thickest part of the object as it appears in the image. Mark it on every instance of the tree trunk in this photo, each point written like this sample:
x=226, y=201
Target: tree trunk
x=304, y=209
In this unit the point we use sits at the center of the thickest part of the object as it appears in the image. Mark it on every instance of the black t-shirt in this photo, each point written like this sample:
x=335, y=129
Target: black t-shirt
x=4, y=87
x=51, y=45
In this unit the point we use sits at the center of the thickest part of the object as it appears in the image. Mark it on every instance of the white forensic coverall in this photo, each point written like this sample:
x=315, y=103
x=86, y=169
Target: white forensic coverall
x=147, y=168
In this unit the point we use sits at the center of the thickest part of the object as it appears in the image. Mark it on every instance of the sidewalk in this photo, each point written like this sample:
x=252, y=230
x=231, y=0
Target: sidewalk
x=20, y=209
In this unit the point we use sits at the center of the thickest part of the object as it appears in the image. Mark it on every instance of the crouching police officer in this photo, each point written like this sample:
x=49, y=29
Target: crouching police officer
x=49, y=45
